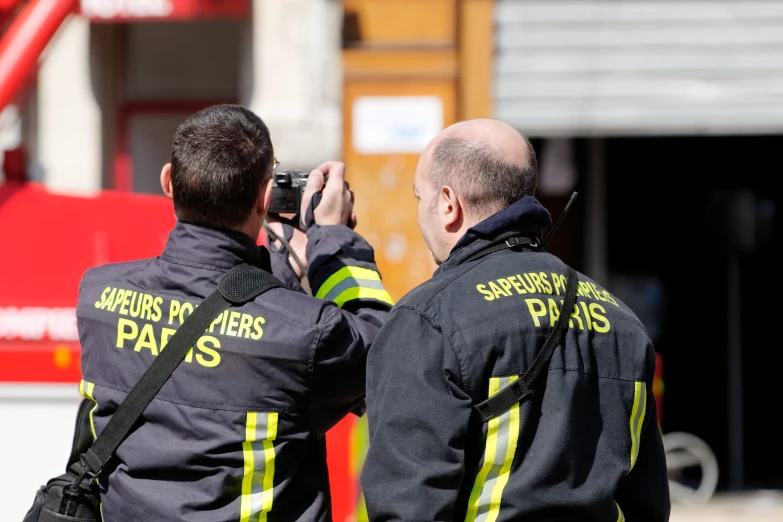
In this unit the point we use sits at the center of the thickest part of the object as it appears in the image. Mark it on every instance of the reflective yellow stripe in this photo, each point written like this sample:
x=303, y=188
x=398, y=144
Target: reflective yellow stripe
x=489, y=457
x=259, y=473
x=87, y=389
x=247, y=479
x=641, y=419
x=358, y=444
x=363, y=293
x=511, y=449
x=269, y=469
x=637, y=418
x=343, y=274
x=620, y=516
x=353, y=282
x=502, y=436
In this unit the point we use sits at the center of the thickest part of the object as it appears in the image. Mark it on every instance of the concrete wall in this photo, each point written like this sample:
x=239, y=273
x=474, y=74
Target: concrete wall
x=35, y=440
x=68, y=116
x=297, y=78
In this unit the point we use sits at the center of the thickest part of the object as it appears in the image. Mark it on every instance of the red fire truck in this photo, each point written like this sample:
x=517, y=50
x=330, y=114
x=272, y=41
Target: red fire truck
x=48, y=241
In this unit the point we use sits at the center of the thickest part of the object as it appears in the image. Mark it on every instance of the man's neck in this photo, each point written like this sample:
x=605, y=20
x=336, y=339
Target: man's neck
x=250, y=229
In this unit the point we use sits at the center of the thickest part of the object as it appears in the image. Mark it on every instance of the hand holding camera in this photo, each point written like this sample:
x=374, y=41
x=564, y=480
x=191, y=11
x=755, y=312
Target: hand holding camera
x=299, y=199
x=296, y=191
x=336, y=201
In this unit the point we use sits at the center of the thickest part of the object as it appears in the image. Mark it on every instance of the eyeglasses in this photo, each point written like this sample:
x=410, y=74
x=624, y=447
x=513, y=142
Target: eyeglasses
x=275, y=163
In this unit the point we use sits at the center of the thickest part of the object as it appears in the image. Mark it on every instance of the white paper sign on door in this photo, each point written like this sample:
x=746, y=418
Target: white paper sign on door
x=395, y=124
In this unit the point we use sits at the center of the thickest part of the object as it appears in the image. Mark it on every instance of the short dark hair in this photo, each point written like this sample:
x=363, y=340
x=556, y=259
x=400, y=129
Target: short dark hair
x=220, y=157
x=484, y=180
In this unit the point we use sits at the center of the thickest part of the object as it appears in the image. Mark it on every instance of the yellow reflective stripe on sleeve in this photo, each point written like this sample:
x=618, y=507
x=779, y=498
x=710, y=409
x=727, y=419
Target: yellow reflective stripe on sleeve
x=86, y=389
x=363, y=293
x=620, y=516
x=637, y=418
x=502, y=436
x=358, y=444
x=259, y=466
x=354, y=272
x=353, y=282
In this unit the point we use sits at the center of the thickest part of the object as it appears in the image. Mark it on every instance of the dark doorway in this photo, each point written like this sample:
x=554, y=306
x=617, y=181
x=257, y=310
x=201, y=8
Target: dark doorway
x=662, y=228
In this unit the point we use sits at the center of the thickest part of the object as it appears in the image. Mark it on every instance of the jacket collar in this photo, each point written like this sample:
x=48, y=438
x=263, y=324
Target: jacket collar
x=219, y=248
x=527, y=217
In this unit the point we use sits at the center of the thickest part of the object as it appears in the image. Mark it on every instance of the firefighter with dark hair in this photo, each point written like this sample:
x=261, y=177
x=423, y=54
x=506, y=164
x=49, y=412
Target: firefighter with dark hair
x=474, y=413
x=237, y=432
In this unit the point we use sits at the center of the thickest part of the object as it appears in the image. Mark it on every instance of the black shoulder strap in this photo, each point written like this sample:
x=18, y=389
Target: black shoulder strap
x=520, y=389
x=242, y=284
x=509, y=243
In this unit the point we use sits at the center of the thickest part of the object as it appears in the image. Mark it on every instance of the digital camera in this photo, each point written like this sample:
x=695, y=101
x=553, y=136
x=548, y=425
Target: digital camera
x=287, y=189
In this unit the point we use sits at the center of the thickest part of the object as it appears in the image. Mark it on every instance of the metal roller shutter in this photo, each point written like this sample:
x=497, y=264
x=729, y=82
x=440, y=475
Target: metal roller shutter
x=624, y=67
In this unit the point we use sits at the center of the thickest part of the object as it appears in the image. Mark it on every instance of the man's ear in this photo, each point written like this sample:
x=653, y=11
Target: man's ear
x=265, y=197
x=165, y=181
x=450, y=208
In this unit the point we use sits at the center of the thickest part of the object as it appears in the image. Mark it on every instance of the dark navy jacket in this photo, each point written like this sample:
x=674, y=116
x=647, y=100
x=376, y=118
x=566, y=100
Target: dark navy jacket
x=236, y=434
x=585, y=447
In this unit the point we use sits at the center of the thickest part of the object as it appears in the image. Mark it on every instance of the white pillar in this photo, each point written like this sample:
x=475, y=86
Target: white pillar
x=297, y=78
x=69, y=119
x=10, y=133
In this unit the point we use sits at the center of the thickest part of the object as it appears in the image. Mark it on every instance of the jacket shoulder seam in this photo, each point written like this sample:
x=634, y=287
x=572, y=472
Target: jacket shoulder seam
x=212, y=268
x=110, y=279
x=455, y=278
x=170, y=295
x=479, y=263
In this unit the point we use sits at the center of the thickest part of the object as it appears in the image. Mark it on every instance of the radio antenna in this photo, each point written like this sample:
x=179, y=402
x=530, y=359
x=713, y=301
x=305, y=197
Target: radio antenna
x=559, y=219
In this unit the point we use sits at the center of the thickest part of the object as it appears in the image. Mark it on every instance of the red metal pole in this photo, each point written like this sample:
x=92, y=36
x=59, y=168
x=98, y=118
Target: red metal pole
x=25, y=39
x=658, y=387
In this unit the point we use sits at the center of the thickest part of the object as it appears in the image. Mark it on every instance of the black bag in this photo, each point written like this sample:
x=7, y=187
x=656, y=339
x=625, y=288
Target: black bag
x=46, y=505
x=75, y=496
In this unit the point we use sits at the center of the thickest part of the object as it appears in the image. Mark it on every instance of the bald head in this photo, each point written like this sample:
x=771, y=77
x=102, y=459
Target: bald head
x=489, y=164
x=496, y=137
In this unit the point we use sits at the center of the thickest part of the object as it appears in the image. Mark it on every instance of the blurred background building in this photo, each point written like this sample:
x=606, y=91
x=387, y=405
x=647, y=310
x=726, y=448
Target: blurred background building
x=665, y=115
